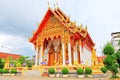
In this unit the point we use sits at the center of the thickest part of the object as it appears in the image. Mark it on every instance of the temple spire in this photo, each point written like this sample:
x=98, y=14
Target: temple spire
x=48, y=4
x=56, y=5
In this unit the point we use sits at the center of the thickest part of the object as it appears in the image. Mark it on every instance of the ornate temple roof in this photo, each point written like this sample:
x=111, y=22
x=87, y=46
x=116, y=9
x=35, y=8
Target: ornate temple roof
x=77, y=31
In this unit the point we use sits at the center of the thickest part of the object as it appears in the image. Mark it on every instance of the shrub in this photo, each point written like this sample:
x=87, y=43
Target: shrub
x=1, y=71
x=64, y=71
x=80, y=71
x=51, y=71
x=88, y=70
x=5, y=71
x=104, y=69
x=1, y=64
x=13, y=71
x=108, y=49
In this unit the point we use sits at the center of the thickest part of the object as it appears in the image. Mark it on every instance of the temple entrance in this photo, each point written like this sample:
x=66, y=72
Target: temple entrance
x=51, y=53
x=54, y=48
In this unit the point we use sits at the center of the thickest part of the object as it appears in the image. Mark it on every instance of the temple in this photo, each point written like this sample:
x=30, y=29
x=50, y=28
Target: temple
x=59, y=41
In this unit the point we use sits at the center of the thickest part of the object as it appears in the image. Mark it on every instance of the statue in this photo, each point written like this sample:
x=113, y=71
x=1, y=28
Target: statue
x=7, y=64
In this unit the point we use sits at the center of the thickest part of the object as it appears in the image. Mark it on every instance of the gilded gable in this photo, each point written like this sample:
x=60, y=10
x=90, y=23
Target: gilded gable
x=52, y=24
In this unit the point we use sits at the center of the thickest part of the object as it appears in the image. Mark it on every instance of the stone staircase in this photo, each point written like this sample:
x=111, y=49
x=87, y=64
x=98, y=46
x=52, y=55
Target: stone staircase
x=32, y=73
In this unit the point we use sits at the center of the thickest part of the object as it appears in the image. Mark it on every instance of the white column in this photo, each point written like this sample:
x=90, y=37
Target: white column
x=36, y=57
x=75, y=53
x=81, y=53
x=40, y=59
x=69, y=53
x=63, y=53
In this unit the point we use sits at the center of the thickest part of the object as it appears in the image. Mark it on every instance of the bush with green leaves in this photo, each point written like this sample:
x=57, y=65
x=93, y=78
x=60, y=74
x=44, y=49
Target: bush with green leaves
x=5, y=71
x=51, y=70
x=64, y=71
x=1, y=71
x=80, y=71
x=108, y=49
x=110, y=60
x=1, y=64
x=104, y=69
x=118, y=57
x=13, y=71
x=88, y=71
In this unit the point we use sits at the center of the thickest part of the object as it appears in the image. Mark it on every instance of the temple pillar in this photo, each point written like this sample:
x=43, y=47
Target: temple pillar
x=36, y=57
x=40, y=56
x=41, y=52
x=63, y=52
x=75, y=54
x=81, y=54
x=69, y=53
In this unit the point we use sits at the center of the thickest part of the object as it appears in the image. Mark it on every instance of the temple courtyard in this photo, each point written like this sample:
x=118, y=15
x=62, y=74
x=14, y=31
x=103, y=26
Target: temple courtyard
x=46, y=78
x=19, y=77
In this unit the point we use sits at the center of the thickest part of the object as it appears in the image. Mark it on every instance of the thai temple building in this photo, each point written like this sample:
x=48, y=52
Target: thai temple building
x=59, y=41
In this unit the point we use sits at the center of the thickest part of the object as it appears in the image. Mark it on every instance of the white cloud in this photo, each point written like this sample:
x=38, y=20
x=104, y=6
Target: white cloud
x=14, y=44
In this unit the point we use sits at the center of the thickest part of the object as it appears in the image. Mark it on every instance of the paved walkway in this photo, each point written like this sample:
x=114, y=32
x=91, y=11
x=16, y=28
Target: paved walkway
x=19, y=77
x=45, y=78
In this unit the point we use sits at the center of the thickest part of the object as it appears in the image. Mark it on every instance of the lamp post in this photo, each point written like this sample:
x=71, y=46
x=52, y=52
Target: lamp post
x=10, y=49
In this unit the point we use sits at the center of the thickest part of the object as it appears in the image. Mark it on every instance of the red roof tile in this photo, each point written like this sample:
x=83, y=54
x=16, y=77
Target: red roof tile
x=5, y=55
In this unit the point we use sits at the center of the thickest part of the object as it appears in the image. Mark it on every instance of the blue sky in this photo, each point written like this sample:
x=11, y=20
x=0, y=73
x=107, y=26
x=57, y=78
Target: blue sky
x=18, y=18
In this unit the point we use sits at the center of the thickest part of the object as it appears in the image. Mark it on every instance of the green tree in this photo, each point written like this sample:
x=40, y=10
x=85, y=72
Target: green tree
x=118, y=57
x=22, y=60
x=119, y=44
x=104, y=69
x=29, y=62
x=108, y=49
x=1, y=64
x=110, y=60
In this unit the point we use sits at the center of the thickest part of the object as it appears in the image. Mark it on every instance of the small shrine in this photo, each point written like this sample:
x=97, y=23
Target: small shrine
x=95, y=64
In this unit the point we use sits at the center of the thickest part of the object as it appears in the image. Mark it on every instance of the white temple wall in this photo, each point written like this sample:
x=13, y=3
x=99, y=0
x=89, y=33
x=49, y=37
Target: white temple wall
x=87, y=57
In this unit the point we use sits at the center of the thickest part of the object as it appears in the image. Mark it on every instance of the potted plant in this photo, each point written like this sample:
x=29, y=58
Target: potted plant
x=51, y=72
x=88, y=72
x=13, y=72
x=80, y=72
x=104, y=70
x=65, y=72
x=5, y=72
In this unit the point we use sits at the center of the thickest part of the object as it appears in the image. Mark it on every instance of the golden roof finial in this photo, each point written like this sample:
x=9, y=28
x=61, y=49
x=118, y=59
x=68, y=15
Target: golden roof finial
x=80, y=27
x=48, y=4
x=62, y=18
x=68, y=19
x=69, y=24
x=56, y=4
x=76, y=29
x=74, y=23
